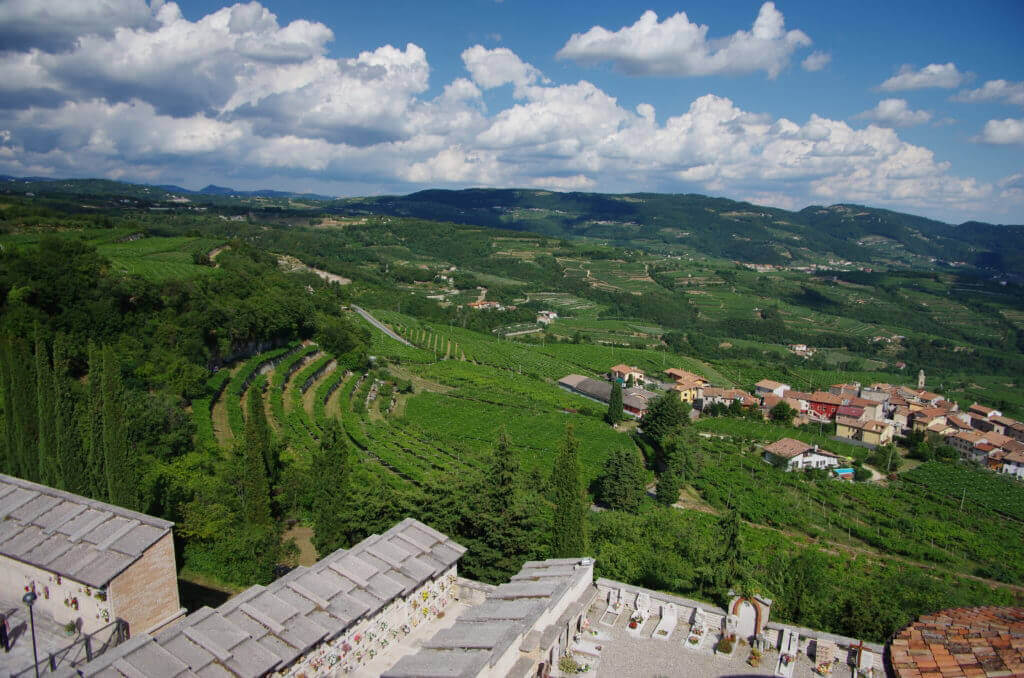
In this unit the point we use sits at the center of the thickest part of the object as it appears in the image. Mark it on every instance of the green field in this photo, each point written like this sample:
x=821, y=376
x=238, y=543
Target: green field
x=160, y=259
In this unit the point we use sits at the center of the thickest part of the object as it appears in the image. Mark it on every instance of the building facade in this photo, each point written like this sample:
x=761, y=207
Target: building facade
x=88, y=562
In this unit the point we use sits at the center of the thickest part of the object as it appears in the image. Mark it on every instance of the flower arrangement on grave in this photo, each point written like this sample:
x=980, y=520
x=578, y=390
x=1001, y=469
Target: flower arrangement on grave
x=371, y=653
x=424, y=594
x=755, y=657
x=346, y=648
x=358, y=638
x=415, y=603
x=370, y=635
x=333, y=659
x=406, y=629
x=786, y=659
x=383, y=642
x=101, y=595
x=424, y=610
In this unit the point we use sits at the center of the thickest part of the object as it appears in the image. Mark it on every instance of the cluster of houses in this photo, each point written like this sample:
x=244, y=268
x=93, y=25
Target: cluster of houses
x=870, y=416
x=873, y=415
x=490, y=306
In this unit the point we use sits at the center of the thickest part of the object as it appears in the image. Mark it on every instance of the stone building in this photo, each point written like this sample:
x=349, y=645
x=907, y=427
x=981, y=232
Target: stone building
x=522, y=628
x=332, y=618
x=88, y=562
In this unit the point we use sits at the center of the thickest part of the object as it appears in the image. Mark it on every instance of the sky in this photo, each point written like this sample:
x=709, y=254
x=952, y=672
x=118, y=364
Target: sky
x=913, y=106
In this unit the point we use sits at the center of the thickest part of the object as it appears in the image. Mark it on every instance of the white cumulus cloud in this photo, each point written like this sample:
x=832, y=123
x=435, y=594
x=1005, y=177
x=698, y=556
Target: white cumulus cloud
x=679, y=47
x=500, y=66
x=895, y=113
x=815, y=61
x=1002, y=132
x=995, y=90
x=945, y=76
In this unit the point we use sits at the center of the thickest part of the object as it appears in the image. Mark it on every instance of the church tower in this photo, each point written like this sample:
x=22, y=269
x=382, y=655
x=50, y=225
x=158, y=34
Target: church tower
x=920, y=380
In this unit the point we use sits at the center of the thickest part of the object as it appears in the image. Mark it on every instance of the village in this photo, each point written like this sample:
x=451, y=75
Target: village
x=867, y=416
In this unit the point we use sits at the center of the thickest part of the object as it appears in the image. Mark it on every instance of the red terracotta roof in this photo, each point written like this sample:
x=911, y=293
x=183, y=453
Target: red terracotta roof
x=678, y=374
x=787, y=448
x=769, y=384
x=981, y=409
x=826, y=398
x=968, y=641
x=850, y=411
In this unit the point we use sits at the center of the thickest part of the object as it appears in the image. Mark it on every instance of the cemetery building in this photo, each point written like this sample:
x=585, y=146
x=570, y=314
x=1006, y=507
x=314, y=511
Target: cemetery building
x=522, y=629
x=89, y=563
x=332, y=618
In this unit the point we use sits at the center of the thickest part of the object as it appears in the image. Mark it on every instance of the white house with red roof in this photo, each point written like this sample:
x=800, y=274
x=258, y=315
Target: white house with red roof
x=799, y=455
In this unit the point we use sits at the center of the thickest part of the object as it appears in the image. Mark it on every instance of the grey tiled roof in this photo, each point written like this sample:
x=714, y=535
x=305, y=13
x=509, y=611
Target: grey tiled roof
x=266, y=628
x=79, y=538
x=482, y=634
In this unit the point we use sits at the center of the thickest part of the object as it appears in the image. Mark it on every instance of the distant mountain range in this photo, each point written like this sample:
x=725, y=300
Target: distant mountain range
x=669, y=223
x=105, y=187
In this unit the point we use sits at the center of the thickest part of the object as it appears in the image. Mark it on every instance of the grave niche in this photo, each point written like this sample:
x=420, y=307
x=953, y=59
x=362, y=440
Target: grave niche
x=750, y=614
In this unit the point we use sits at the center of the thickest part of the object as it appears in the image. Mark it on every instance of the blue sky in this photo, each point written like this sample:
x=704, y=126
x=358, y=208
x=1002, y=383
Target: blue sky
x=915, y=106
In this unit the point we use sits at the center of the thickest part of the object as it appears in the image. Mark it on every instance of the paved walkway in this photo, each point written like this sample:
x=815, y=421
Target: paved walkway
x=623, y=654
x=379, y=325
x=50, y=638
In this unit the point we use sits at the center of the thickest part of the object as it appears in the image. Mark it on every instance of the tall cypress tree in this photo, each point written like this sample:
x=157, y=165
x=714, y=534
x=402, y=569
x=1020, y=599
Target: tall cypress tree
x=621, y=486
x=46, y=449
x=330, y=480
x=614, y=415
x=568, y=539
x=501, y=477
x=94, y=475
x=256, y=426
x=122, y=485
x=67, y=435
x=26, y=418
x=732, y=564
x=254, y=484
x=8, y=462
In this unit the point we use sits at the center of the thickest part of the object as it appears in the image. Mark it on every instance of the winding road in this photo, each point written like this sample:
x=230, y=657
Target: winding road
x=379, y=325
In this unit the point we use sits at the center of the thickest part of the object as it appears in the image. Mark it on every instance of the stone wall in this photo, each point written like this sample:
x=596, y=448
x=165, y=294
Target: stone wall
x=472, y=592
x=146, y=594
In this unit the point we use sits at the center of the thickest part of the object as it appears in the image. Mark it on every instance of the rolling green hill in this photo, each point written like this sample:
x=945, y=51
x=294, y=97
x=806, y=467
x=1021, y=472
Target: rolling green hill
x=719, y=227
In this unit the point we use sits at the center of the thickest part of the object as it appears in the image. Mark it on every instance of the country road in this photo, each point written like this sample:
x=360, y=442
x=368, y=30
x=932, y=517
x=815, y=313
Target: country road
x=379, y=325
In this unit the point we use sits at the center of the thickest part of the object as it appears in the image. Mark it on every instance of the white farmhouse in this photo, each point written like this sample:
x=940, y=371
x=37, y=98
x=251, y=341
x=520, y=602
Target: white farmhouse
x=799, y=455
x=769, y=387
